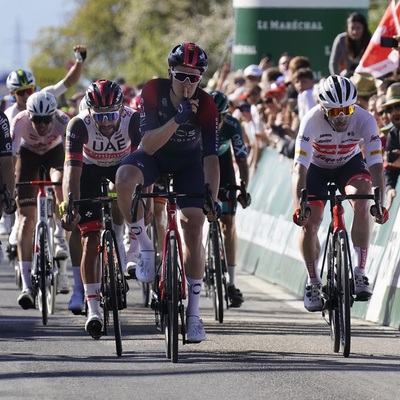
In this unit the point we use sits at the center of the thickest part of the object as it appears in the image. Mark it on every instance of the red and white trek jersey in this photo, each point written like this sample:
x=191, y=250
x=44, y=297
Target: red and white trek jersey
x=85, y=144
x=318, y=143
x=23, y=134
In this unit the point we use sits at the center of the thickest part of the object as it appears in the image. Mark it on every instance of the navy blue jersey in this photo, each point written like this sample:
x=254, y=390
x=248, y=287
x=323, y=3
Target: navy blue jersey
x=5, y=137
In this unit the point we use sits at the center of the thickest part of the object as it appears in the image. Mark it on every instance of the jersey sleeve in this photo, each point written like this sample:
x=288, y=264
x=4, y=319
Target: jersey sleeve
x=134, y=130
x=208, y=121
x=5, y=136
x=303, y=147
x=372, y=141
x=76, y=137
x=149, y=107
x=238, y=145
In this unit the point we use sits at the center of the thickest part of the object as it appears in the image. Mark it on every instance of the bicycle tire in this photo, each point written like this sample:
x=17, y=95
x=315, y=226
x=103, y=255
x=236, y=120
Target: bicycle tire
x=54, y=268
x=172, y=326
x=43, y=287
x=332, y=294
x=218, y=296
x=224, y=266
x=112, y=266
x=344, y=303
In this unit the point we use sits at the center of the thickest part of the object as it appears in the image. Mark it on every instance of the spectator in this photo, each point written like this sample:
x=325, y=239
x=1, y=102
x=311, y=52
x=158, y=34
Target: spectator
x=366, y=87
x=303, y=81
x=348, y=47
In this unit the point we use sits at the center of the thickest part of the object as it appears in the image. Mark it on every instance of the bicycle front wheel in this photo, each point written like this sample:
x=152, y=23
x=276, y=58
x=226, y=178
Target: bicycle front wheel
x=172, y=297
x=332, y=293
x=344, y=294
x=111, y=267
x=44, y=293
x=218, y=295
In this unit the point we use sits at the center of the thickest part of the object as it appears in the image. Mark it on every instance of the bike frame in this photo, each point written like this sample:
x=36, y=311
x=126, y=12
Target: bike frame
x=172, y=229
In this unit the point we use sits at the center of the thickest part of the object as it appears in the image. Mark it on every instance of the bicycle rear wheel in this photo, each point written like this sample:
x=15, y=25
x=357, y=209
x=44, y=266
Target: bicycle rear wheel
x=111, y=265
x=218, y=295
x=344, y=294
x=172, y=297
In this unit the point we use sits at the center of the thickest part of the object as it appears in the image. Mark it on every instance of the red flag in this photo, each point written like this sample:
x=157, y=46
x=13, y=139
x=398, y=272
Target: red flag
x=377, y=60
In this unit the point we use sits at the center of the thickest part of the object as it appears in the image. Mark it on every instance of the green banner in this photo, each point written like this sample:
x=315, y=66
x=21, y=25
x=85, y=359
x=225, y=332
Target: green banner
x=262, y=28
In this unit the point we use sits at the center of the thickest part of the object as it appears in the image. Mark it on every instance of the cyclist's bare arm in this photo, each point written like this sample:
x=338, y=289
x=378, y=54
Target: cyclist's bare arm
x=71, y=183
x=298, y=182
x=244, y=172
x=211, y=173
x=378, y=179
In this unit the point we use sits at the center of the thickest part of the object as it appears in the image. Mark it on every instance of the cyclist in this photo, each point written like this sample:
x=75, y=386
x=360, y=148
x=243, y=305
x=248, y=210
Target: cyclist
x=328, y=150
x=231, y=140
x=98, y=138
x=179, y=127
x=7, y=166
x=21, y=84
x=38, y=136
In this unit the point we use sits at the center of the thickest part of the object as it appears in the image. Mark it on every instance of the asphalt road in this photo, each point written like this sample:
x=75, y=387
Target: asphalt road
x=270, y=348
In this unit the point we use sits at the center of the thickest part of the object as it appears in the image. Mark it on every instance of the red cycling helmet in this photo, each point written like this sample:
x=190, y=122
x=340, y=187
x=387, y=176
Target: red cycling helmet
x=103, y=94
x=188, y=55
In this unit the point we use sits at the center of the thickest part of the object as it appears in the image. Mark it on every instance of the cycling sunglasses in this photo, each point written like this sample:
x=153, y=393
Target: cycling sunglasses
x=335, y=112
x=101, y=116
x=391, y=108
x=37, y=119
x=182, y=76
x=22, y=92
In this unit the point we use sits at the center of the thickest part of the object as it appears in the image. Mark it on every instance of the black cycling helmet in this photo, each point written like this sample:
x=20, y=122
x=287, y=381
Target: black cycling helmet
x=221, y=100
x=103, y=94
x=188, y=55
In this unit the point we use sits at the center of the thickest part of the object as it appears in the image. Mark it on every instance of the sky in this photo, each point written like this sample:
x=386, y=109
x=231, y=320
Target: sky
x=21, y=21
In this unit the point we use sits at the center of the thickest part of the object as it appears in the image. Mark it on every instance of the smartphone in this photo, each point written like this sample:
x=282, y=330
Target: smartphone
x=387, y=41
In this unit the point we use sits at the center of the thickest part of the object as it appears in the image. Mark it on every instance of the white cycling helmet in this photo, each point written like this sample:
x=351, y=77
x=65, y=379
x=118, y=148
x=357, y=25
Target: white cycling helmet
x=336, y=92
x=20, y=79
x=41, y=103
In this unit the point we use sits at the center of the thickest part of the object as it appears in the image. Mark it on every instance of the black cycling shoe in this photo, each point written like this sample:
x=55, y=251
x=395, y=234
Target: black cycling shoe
x=235, y=296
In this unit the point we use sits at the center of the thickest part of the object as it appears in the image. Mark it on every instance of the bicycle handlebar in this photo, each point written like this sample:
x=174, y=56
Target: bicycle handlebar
x=171, y=196
x=375, y=210
x=38, y=183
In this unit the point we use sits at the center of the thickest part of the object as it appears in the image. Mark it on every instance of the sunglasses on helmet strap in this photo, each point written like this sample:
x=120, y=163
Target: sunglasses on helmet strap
x=182, y=76
x=102, y=116
x=335, y=112
x=37, y=119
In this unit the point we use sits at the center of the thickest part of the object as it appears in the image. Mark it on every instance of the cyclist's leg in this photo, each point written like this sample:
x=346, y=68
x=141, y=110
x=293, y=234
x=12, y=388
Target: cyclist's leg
x=27, y=169
x=90, y=225
x=191, y=180
x=228, y=226
x=309, y=244
x=76, y=303
x=54, y=163
x=138, y=167
x=358, y=181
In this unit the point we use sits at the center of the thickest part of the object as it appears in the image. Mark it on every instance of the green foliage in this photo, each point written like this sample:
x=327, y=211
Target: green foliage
x=133, y=38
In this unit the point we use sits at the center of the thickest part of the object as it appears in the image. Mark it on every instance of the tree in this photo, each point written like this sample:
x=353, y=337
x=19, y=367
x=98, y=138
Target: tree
x=132, y=38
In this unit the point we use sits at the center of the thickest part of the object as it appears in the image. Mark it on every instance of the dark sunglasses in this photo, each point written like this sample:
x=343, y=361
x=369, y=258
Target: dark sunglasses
x=37, y=119
x=391, y=108
x=22, y=92
x=101, y=116
x=182, y=76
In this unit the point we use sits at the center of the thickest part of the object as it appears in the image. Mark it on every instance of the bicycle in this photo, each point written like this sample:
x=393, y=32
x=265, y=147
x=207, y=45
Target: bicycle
x=216, y=268
x=169, y=286
x=339, y=291
x=113, y=284
x=44, y=265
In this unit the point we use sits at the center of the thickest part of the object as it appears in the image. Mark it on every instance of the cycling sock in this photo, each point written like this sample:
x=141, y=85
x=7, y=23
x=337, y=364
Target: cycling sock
x=92, y=295
x=361, y=254
x=313, y=276
x=139, y=230
x=194, y=291
x=78, y=285
x=231, y=275
x=62, y=266
x=25, y=268
x=119, y=232
x=59, y=231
